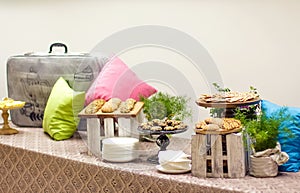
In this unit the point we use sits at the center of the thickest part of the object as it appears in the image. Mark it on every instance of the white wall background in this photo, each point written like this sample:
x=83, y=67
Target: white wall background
x=253, y=42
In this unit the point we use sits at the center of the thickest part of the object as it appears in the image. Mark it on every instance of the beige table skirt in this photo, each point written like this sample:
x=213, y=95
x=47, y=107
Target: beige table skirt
x=32, y=162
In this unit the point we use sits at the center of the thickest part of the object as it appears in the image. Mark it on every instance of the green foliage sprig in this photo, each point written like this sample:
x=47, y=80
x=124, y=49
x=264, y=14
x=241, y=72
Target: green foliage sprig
x=162, y=105
x=253, y=90
x=219, y=89
x=264, y=130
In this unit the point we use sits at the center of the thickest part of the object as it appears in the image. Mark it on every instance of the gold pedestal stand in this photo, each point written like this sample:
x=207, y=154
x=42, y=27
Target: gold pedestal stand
x=6, y=129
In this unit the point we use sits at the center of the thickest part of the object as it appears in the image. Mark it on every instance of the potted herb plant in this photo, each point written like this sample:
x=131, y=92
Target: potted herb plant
x=262, y=134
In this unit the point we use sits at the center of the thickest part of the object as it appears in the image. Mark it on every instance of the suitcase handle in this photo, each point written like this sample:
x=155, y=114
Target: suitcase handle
x=58, y=45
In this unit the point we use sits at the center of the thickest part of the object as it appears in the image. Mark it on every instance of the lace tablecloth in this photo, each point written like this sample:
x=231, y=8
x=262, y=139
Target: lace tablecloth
x=32, y=162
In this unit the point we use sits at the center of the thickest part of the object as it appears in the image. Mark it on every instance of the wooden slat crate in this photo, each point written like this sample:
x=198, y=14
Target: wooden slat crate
x=218, y=156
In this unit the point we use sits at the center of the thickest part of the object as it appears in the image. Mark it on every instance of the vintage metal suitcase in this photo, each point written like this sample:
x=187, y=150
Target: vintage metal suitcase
x=30, y=78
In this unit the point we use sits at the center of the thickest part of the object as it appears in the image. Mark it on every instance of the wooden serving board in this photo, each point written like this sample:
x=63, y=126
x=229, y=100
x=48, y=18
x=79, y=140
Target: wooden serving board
x=202, y=103
x=136, y=109
x=218, y=132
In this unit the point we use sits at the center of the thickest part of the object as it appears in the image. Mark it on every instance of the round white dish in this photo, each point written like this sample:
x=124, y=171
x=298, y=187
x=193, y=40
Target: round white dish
x=118, y=159
x=163, y=170
x=119, y=141
x=117, y=149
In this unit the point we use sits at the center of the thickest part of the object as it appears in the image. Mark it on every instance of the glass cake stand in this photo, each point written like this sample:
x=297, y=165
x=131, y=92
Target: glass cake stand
x=162, y=140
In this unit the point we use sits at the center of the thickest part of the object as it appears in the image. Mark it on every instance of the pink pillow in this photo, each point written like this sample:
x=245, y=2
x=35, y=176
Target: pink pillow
x=117, y=80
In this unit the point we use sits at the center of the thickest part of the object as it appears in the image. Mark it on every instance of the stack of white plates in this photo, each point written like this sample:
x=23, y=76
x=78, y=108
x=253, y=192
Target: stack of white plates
x=119, y=149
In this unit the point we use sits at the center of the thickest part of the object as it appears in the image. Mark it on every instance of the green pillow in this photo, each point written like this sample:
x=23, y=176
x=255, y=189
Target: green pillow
x=61, y=112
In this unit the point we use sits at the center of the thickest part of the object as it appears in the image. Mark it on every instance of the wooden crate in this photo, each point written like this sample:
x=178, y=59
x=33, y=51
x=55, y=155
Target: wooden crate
x=218, y=156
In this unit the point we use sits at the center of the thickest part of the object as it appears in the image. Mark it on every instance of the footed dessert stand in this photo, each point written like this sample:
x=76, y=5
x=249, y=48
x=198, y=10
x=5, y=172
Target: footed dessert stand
x=162, y=140
x=6, y=129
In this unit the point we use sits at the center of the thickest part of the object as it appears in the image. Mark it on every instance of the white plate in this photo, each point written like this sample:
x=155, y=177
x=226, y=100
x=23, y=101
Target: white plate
x=120, y=149
x=116, y=141
x=117, y=153
x=117, y=156
x=161, y=169
x=118, y=159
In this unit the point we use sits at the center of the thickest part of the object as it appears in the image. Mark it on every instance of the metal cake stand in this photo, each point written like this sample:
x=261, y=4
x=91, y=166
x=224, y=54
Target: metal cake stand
x=162, y=140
